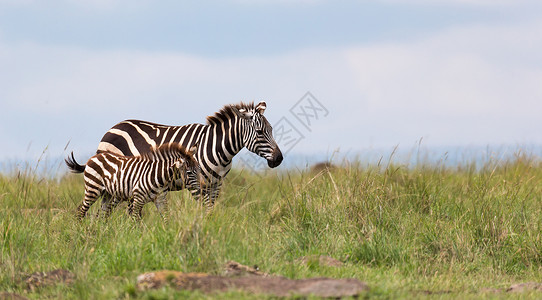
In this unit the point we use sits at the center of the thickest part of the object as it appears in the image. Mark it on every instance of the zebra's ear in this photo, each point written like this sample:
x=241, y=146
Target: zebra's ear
x=260, y=108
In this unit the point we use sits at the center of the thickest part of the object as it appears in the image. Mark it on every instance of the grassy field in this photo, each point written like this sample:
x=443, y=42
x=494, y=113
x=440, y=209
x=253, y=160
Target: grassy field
x=426, y=231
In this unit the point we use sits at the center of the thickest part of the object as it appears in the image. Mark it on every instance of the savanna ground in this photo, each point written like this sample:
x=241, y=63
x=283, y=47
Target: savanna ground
x=422, y=231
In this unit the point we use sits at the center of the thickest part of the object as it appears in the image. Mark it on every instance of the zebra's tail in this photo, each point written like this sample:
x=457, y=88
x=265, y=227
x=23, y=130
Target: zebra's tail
x=73, y=165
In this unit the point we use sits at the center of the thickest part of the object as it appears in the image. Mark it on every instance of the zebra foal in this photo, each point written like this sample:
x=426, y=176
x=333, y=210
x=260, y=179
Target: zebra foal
x=138, y=179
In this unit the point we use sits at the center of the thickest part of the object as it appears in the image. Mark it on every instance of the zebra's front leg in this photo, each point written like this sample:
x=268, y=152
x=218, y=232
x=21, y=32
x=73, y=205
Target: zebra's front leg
x=137, y=206
x=105, y=204
x=201, y=196
x=162, y=206
x=207, y=195
x=213, y=193
x=208, y=201
x=113, y=202
x=108, y=203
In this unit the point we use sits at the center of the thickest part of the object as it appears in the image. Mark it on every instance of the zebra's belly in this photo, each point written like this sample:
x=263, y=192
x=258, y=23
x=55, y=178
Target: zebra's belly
x=148, y=192
x=120, y=195
x=118, y=189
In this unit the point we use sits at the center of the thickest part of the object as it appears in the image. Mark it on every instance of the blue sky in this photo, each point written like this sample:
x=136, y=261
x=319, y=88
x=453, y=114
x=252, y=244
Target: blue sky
x=390, y=72
x=239, y=28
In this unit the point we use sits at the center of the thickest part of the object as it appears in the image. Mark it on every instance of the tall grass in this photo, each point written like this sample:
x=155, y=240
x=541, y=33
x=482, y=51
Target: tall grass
x=402, y=229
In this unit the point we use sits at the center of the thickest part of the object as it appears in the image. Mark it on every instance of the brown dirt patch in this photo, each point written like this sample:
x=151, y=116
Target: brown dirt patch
x=251, y=279
x=11, y=296
x=515, y=288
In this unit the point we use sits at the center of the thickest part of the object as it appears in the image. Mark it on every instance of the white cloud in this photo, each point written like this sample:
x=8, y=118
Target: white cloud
x=464, y=78
x=51, y=79
x=78, y=94
x=466, y=85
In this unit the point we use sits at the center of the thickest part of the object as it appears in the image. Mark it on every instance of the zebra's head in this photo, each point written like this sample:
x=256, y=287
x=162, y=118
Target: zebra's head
x=188, y=170
x=258, y=134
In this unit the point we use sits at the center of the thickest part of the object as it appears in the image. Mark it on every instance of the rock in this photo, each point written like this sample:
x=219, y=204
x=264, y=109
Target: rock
x=331, y=288
x=524, y=287
x=38, y=279
x=276, y=286
x=233, y=269
x=322, y=260
x=11, y=296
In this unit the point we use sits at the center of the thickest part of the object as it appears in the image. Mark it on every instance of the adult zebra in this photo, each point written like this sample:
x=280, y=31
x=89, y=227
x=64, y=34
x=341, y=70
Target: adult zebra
x=225, y=134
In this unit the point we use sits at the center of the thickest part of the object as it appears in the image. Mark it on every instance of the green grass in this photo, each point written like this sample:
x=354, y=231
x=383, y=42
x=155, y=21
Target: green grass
x=425, y=231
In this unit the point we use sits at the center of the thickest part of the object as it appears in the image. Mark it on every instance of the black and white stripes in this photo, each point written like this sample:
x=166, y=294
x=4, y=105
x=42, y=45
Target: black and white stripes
x=139, y=179
x=224, y=135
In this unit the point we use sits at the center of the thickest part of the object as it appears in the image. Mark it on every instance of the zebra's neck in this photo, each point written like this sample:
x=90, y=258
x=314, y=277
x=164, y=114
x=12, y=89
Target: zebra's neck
x=225, y=138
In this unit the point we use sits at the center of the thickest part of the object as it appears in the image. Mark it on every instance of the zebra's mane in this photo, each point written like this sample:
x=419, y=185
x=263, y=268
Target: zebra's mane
x=164, y=150
x=229, y=111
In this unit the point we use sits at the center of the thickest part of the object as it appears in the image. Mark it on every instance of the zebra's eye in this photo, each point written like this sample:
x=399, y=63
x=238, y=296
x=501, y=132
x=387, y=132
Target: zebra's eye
x=259, y=131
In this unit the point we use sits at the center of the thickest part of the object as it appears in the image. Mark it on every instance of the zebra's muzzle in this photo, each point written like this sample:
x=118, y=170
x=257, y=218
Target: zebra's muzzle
x=276, y=159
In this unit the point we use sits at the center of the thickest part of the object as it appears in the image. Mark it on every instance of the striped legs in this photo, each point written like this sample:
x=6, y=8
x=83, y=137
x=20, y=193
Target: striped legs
x=213, y=195
x=90, y=197
x=161, y=205
x=113, y=202
x=207, y=195
x=160, y=201
x=106, y=205
x=134, y=210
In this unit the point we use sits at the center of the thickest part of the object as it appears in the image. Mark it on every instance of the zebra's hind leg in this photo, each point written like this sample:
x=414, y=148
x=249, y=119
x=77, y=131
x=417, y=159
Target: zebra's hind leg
x=90, y=197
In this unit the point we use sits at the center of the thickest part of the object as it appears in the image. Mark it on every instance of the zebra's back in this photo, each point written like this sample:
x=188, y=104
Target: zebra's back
x=136, y=137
